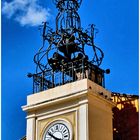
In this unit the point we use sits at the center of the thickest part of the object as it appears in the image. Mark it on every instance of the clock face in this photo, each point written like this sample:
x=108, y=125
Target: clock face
x=58, y=130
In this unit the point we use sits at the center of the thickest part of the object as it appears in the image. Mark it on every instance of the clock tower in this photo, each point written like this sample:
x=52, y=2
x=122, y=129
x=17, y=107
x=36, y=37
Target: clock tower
x=70, y=101
x=81, y=110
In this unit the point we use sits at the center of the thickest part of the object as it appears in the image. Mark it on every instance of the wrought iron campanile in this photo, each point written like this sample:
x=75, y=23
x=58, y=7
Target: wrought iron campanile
x=62, y=57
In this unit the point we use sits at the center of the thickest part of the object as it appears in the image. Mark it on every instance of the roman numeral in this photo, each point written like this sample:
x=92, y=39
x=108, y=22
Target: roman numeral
x=61, y=127
x=65, y=136
x=57, y=127
x=65, y=130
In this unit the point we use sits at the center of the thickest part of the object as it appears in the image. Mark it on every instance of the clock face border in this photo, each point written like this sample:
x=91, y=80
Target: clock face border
x=60, y=121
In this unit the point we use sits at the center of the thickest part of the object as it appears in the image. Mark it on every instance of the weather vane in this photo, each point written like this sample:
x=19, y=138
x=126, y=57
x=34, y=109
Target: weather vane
x=62, y=57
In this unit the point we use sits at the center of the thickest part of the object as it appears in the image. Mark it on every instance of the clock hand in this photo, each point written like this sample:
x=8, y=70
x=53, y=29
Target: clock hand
x=54, y=136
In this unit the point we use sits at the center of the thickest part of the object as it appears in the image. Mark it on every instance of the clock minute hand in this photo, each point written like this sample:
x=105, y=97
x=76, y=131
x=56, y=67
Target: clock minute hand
x=54, y=136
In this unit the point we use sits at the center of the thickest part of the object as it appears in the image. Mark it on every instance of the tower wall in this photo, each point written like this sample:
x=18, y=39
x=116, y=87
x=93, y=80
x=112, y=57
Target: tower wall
x=80, y=103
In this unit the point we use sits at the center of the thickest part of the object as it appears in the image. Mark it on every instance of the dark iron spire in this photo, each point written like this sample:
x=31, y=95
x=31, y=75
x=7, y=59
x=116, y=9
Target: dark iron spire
x=62, y=57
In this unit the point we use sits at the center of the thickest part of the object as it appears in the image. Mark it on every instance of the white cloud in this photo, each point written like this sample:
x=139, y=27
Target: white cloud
x=26, y=12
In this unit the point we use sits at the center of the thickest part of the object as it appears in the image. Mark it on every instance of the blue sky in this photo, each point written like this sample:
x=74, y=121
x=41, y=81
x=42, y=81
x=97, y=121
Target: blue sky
x=117, y=21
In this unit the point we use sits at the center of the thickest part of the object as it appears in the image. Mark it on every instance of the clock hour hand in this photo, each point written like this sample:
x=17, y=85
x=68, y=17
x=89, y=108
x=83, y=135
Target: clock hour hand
x=54, y=136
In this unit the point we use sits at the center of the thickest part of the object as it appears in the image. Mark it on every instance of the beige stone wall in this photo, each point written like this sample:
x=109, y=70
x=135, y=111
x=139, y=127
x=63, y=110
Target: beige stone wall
x=100, y=120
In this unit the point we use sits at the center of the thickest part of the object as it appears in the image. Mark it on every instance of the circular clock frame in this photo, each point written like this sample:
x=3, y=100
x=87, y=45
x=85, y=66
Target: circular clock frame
x=62, y=122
